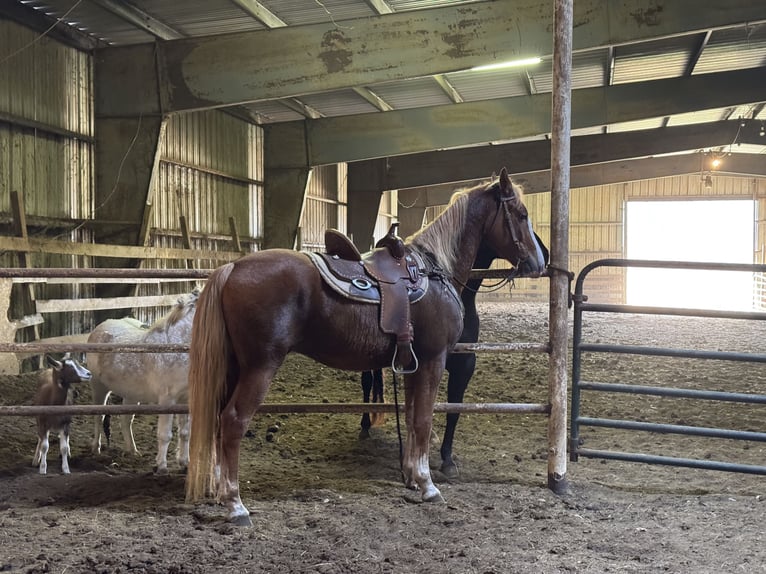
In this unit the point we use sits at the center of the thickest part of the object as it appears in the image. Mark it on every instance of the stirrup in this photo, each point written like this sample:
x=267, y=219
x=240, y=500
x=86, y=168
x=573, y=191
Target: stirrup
x=404, y=371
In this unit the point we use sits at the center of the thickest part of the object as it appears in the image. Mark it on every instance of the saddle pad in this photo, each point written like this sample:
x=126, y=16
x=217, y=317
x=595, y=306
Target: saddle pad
x=349, y=279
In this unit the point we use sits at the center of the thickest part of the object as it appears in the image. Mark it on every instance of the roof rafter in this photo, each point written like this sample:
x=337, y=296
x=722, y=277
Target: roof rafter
x=140, y=19
x=459, y=165
x=367, y=136
x=600, y=174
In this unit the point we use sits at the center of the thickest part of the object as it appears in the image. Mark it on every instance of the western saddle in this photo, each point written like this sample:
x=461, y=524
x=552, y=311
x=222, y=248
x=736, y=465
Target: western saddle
x=390, y=275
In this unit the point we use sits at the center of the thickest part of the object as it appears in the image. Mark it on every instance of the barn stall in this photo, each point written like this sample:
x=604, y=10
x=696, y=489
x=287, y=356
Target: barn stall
x=297, y=158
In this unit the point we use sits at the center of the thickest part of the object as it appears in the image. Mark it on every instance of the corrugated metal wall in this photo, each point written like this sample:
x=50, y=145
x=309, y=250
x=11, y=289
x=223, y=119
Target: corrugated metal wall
x=597, y=228
x=387, y=212
x=322, y=206
x=326, y=206
x=210, y=173
x=596, y=223
x=46, y=154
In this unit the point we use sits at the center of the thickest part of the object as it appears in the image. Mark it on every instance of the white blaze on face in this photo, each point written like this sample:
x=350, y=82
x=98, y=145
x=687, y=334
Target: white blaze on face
x=538, y=251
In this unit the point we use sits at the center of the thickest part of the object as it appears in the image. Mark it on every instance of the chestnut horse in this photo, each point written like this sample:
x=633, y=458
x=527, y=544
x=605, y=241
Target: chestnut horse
x=256, y=310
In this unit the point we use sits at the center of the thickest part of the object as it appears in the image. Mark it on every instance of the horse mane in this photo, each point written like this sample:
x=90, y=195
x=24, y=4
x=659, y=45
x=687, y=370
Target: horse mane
x=182, y=307
x=442, y=236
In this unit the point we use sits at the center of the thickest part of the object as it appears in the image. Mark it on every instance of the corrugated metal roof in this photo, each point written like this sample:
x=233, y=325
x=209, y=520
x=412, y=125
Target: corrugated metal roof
x=272, y=111
x=339, y=103
x=734, y=48
x=666, y=58
x=414, y=93
x=295, y=12
x=200, y=17
x=93, y=20
x=725, y=49
x=475, y=86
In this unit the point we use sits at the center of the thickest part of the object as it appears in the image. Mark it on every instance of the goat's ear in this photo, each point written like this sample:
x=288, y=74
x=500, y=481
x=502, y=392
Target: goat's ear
x=53, y=362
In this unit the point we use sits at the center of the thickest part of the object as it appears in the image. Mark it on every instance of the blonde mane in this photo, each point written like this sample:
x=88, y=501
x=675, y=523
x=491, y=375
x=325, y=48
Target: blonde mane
x=442, y=236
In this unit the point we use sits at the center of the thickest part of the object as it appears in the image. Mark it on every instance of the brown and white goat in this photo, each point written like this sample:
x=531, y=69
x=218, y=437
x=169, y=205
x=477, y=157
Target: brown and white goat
x=54, y=390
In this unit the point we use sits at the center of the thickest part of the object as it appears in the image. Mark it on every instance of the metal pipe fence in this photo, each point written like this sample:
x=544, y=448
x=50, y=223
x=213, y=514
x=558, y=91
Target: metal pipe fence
x=577, y=420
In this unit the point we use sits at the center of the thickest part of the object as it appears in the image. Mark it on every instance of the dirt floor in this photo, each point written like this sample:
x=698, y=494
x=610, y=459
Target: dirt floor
x=324, y=501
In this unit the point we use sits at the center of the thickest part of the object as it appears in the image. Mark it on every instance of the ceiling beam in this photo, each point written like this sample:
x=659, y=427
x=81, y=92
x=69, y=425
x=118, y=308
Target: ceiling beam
x=140, y=19
x=603, y=174
x=217, y=71
x=367, y=136
x=260, y=13
x=464, y=164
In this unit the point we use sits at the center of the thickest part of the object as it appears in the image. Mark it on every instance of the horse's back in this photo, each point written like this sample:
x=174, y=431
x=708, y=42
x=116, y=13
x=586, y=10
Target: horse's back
x=139, y=377
x=275, y=301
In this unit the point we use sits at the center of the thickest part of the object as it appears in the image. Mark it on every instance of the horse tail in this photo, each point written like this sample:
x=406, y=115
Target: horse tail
x=208, y=366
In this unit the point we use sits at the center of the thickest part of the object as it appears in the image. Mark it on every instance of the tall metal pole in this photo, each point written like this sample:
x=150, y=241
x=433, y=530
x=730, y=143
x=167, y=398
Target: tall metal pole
x=559, y=287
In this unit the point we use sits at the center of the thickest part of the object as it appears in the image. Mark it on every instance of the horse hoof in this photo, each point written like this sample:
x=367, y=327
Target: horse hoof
x=364, y=433
x=450, y=471
x=437, y=497
x=241, y=520
x=161, y=471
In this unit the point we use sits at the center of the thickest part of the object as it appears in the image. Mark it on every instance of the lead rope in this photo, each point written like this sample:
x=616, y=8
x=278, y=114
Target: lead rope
x=398, y=427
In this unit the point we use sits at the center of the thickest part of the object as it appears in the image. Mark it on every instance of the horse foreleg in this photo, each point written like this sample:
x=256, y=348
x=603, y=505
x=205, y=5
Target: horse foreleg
x=182, y=452
x=248, y=395
x=164, y=435
x=420, y=395
x=64, y=450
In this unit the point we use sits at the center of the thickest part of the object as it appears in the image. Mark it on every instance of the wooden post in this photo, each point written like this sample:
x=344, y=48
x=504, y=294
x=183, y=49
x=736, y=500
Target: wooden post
x=20, y=230
x=234, y=235
x=186, y=238
x=559, y=292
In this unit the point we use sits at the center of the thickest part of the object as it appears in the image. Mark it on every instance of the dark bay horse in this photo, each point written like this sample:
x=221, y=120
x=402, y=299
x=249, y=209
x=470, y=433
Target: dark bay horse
x=460, y=366
x=256, y=310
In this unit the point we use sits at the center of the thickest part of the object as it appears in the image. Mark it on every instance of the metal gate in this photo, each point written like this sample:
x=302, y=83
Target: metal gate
x=579, y=420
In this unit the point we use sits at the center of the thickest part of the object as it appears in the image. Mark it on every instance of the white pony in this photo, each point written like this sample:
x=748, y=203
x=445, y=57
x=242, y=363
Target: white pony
x=159, y=378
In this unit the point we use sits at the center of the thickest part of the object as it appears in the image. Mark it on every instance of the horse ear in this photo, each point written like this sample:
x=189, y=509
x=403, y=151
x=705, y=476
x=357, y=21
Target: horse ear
x=506, y=187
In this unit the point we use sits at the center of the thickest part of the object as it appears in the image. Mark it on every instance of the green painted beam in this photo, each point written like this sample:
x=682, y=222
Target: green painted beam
x=367, y=136
x=284, y=195
x=230, y=69
x=603, y=174
x=457, y=165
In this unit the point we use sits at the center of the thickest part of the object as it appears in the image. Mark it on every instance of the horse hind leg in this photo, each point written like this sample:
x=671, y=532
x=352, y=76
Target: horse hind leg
x=377, y=419
x=164, y=436
x=126, y=425
x=248, y=395
x=461, y=368
x=366, y=423
x=100, y=397
x=182, y=452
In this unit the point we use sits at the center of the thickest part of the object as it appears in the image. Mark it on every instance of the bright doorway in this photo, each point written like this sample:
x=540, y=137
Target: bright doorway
x=720, y=231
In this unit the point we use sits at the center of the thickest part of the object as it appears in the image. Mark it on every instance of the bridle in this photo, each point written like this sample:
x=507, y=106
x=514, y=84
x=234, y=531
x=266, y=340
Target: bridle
x=508, y=219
